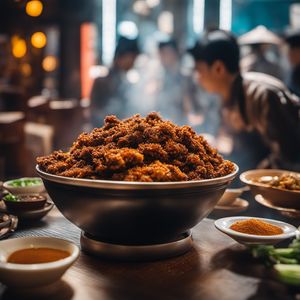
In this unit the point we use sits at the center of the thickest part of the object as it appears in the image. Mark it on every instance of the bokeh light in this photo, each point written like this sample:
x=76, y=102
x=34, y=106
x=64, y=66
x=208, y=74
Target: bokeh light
x=19, y=47
x=34, y=8
x=128, y=29
x=152, y=3
x=38, y=40
x=49, y=63
x=26, y=69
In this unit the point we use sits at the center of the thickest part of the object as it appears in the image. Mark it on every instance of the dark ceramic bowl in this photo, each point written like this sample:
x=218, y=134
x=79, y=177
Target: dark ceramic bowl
x=134, y=213
x=26, y=202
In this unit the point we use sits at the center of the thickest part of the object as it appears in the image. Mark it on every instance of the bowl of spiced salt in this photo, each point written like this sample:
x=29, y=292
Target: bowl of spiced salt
x=255, y=231
x=138, y=183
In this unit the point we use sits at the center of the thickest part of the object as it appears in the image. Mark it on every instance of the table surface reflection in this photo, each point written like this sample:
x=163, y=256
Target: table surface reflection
x=216, y=268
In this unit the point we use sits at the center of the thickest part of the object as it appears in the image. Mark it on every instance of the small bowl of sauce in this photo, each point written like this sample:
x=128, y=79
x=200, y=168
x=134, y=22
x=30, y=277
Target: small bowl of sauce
x=24, y=202
x=35, y=261
x=37, y=256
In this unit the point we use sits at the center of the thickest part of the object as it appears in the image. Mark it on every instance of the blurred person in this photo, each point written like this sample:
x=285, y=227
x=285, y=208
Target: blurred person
x=293, y=42
x=175, y=90
x=258, y=112
x=258, y=61
x=206, y=113
x=263, y=56
x=109, y=93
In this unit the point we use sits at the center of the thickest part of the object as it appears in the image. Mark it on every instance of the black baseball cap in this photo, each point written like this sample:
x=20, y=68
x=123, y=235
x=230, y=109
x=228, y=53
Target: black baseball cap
x=217, y=45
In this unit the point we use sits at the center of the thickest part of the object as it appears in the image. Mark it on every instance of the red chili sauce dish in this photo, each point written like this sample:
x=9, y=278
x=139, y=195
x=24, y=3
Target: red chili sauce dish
x=37, y=256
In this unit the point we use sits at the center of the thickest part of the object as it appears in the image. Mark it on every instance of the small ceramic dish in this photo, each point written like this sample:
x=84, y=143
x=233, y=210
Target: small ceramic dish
x=25, y=185
x=249, y=239
x=24, y=202
x=29, y=215
x=257, y=181
x=39, y=274
x=230, y=196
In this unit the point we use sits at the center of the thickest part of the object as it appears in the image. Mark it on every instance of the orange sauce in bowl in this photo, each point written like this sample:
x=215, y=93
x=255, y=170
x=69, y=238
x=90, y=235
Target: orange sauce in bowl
x=37, y=256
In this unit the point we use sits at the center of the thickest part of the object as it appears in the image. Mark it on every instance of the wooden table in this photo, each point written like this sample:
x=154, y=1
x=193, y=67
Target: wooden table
x=216, y=268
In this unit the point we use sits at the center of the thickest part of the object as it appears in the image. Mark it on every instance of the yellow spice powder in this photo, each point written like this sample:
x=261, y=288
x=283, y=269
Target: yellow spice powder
x=256, y=227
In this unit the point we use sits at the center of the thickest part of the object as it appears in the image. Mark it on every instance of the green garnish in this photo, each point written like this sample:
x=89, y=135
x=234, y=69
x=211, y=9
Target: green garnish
x=23, y=182
x=289, y=274
x=10, y=197
x=286, y=261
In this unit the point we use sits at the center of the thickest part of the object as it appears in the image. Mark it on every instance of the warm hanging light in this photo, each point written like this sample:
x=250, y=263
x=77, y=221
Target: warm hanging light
x=34, y=8
x=38, y=40
x=49, y=63
x=19, y=47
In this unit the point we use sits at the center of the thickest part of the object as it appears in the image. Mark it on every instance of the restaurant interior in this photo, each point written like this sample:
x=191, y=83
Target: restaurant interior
x=150, y=149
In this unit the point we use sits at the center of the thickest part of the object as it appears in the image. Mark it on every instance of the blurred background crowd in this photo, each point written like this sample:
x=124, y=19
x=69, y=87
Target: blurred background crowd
x=66, y=64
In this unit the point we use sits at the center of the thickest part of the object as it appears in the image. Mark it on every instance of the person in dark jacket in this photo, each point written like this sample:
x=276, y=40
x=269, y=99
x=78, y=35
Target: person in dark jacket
x=293, y=42
x=108, y=95
x=259, y=112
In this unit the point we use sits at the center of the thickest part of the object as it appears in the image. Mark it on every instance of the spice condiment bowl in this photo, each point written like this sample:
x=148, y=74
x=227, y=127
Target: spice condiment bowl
x=250, y=239
x=276, y=196
x=25, y=202
x=36, y=274
x=25, y=185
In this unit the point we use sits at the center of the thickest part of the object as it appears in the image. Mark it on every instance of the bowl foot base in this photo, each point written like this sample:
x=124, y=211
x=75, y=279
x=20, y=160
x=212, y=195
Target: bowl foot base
x=136, y=252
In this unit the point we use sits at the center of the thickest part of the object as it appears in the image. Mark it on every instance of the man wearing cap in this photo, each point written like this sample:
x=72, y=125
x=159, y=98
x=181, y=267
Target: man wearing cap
x=108, y=95
x=258, y=111
x=293, y=42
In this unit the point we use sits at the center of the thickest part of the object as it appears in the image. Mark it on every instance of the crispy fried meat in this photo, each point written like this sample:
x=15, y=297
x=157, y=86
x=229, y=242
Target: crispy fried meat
x=138, y=149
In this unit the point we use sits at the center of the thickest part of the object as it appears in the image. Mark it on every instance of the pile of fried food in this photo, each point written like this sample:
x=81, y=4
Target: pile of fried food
x=138, y=149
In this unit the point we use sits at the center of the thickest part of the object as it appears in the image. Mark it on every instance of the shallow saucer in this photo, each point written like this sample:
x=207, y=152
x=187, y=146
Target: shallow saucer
x=289, y=212
x=35, y=214
x=237, y=206
x=250, y=239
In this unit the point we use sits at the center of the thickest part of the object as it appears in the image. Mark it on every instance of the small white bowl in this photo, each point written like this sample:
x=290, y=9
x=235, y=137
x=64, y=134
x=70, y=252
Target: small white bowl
x=229, y=196
x=250, y=239
x=33, y=189
x=34, y=275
